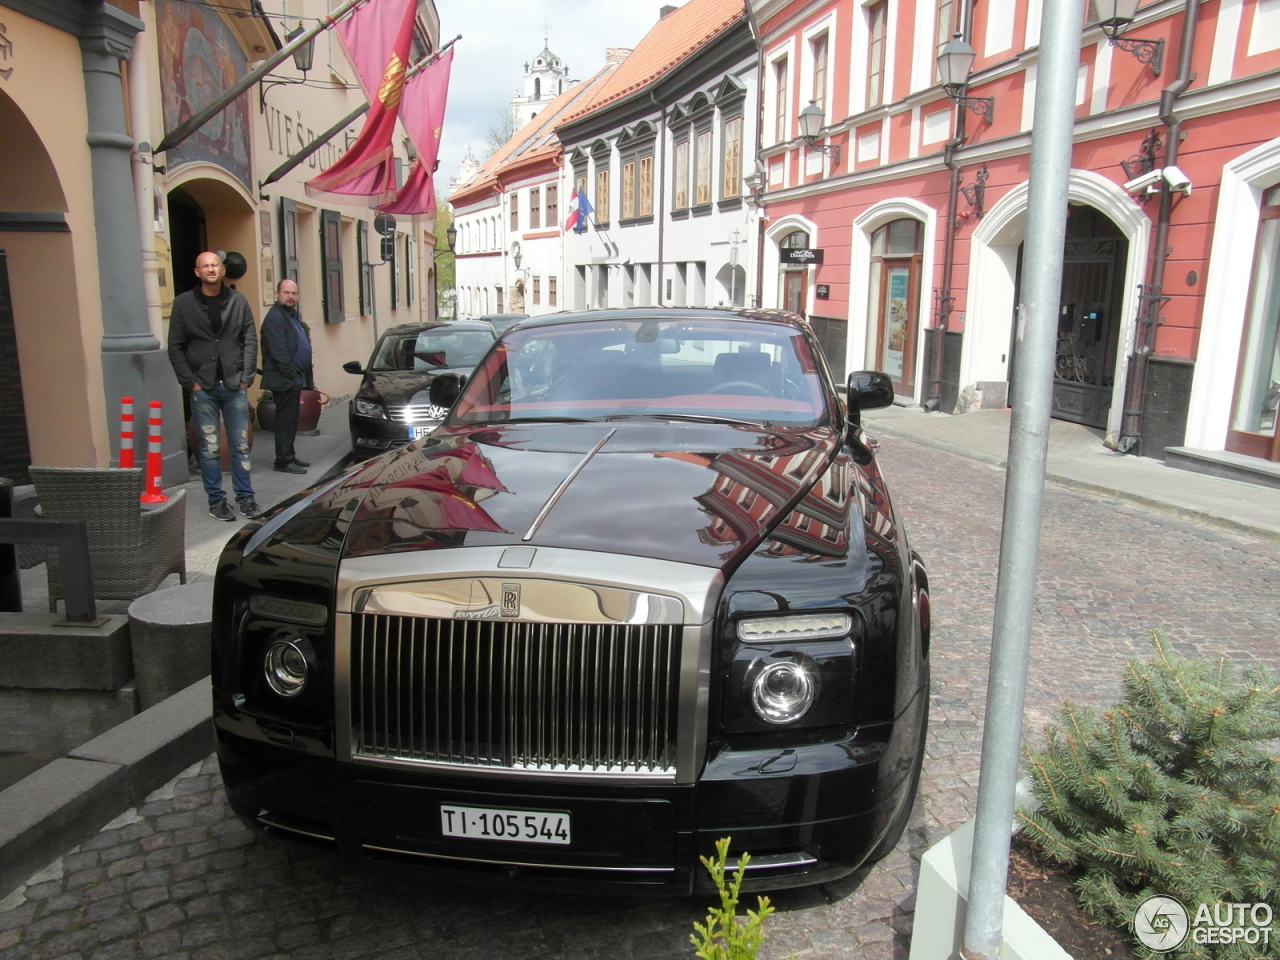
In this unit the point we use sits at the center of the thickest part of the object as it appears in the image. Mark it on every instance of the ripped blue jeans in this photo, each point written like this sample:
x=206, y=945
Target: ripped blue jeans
x=232, y=406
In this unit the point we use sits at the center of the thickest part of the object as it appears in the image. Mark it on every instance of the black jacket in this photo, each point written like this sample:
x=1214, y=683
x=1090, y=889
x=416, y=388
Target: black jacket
x=194, y=351
x=279, y=343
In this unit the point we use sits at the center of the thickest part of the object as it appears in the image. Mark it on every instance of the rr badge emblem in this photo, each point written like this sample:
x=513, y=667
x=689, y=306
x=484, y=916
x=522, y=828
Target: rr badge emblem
x=511, y=599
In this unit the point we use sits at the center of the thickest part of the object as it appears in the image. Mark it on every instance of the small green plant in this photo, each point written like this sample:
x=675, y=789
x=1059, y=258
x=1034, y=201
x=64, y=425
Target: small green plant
x=1175, y=791
x=725, y=935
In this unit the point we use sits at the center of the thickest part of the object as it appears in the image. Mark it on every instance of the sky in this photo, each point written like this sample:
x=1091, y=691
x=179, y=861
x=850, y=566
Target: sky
x=500, y=36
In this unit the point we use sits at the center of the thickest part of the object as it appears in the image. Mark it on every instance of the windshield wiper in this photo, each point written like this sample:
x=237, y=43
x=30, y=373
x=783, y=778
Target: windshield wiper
x=690, y=417
x=552, y=420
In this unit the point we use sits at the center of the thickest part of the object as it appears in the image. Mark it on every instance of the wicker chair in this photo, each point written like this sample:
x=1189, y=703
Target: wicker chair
x=131, y=550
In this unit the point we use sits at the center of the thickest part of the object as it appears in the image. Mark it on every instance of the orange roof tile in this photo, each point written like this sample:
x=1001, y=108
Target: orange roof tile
x=672, y=40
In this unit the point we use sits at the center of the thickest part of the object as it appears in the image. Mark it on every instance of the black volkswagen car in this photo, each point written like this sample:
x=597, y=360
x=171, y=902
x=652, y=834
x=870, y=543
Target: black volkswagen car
x=392, y=407
x=643, y=589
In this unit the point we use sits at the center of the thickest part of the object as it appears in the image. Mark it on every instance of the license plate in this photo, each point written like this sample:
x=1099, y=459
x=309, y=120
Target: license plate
x=416, y=432
x=485, y=823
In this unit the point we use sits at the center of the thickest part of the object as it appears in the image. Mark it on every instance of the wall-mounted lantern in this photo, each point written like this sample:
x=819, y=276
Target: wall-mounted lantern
x=955, y=63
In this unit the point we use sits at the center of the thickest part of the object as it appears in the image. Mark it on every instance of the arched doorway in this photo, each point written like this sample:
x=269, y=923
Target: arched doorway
x=732, y=280
x=206, y=213
x=1103, y=216
x=41, y=341
x=894, y=309
x=1085, y=362
x=794, y=280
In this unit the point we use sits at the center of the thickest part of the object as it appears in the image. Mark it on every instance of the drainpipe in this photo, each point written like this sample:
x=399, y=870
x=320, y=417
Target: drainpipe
x=1151, y=298
x=661, y=191
x=942, y=310
x=759, y=164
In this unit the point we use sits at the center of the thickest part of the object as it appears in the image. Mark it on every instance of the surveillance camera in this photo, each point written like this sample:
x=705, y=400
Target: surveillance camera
x=1176, y=179
x=1144, y=182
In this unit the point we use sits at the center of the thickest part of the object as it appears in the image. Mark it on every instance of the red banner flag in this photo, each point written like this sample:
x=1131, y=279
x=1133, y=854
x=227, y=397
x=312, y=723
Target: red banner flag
x=422, y=113
x=377, y=39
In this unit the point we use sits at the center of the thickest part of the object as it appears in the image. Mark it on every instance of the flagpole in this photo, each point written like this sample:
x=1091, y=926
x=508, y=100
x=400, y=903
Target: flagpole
x=327, y=135
x=194, y=123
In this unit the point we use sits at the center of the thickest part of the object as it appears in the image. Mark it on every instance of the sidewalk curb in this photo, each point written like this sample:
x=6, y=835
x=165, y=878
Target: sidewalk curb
x=1168, y=507
x=67, y=801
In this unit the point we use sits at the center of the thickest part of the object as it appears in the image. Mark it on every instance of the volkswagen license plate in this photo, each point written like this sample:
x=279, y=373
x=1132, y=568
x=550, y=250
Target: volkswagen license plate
x=416, y=432
x=485, y=823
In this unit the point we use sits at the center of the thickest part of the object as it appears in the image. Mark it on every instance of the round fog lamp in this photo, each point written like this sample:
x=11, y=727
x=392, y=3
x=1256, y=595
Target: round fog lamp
x=285, y=667
x=783, y=691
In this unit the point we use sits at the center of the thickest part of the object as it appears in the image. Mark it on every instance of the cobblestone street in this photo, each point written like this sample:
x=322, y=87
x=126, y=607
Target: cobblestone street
x=182, y=878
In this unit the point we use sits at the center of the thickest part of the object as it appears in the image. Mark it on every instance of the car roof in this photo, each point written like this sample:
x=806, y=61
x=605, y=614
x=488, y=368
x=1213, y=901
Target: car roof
x=640, y=314
x=403, y=329
x=503, y=316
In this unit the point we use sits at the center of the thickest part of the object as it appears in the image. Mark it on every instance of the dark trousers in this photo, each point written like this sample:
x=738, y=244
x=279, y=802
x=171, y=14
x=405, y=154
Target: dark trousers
x=286, y=427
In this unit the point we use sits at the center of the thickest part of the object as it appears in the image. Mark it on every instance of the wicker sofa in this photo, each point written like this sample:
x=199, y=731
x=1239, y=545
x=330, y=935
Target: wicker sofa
x=131, y=550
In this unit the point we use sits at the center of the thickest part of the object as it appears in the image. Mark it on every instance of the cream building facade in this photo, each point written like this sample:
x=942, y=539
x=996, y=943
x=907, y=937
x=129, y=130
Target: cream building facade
x=98, y=234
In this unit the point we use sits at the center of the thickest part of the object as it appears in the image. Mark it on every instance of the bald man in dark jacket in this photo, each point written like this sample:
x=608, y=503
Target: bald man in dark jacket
x=213, y=348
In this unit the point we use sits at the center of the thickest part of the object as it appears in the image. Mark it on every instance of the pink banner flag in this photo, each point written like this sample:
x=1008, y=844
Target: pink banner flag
x=377, y=39
x=422, y=113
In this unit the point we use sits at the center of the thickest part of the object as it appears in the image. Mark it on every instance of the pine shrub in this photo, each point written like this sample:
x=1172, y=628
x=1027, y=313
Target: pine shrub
x=725, y=935
x=1175, y=791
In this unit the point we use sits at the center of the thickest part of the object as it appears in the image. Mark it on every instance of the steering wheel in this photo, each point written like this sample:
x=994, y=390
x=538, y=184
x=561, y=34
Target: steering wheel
x=741, y=386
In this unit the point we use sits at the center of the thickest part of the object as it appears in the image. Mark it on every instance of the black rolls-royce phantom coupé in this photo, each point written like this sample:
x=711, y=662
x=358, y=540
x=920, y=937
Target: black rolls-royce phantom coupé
x=644, y=588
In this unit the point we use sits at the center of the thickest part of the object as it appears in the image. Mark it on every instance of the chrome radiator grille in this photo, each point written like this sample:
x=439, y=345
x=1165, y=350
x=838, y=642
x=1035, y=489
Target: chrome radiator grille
x=545, y=697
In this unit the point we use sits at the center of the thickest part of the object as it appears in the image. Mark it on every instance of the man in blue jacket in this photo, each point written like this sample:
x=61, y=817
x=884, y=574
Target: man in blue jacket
x=214, y=351
x=286, y=370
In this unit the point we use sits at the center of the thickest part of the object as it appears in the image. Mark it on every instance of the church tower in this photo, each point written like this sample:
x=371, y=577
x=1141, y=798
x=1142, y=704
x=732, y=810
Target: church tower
x=544, y=79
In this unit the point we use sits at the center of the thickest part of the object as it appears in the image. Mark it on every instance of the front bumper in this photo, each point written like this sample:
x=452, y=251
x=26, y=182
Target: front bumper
x=806, y=814
x=372, y=435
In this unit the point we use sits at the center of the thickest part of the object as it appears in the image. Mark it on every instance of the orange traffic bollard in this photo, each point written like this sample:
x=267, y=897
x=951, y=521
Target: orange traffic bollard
x=154, y=462
x=126, y=431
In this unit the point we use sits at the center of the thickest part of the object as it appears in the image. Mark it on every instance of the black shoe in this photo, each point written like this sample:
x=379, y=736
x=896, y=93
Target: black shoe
x=289, y=468
x=300, y=463
x=221, y=510
x=250, y=509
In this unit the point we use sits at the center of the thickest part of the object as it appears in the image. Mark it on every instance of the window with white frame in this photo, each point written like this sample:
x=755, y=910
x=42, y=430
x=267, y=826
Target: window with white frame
x=877, y=15
x=818, y=86
x=781, y=95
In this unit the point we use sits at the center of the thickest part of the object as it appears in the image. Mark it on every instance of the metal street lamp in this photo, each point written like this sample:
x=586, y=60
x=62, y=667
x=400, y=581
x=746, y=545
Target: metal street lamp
x=1113, y=16
x=304, y=56
x=451, y=236
x=812, y=119
x=955, y=63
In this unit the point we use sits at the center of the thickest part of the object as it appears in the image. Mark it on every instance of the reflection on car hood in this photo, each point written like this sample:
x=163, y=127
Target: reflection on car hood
x=399, y=386
x=688, y=493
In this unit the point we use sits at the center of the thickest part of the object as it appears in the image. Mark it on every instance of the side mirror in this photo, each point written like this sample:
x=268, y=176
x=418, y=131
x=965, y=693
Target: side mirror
x=444, y=390
x=868, y=389
x=353, y=366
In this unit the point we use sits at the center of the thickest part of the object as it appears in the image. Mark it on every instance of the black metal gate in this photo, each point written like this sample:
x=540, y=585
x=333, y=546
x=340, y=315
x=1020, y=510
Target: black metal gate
x=1088, y=314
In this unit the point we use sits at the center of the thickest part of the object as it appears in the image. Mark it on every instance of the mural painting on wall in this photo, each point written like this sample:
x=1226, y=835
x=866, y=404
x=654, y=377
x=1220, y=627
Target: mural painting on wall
x=199, y=58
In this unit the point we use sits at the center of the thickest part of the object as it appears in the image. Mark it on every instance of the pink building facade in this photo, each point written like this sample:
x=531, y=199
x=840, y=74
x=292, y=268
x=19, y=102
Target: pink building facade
x=899, y=228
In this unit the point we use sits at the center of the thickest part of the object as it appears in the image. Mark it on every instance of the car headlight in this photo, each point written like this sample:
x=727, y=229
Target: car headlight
x=286, y=668
x=368, y=408
x=783, y=691
x=807, y=626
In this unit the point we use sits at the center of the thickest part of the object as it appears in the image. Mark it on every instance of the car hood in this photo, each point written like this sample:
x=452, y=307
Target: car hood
x=400, y=386
x=691, y=493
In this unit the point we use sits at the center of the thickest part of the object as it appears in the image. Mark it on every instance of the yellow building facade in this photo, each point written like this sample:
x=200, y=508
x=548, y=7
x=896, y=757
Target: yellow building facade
x=98, y=234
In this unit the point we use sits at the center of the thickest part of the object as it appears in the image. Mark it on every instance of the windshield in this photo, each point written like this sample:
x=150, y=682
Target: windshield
x=722, y=369
x=431, y=349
